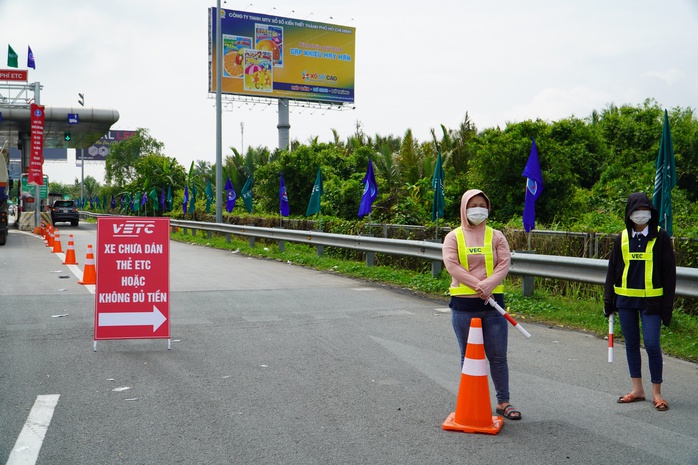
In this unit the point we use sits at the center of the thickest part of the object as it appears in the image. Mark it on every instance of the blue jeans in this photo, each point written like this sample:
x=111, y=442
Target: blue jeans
x=630, y=325
x=495, y=336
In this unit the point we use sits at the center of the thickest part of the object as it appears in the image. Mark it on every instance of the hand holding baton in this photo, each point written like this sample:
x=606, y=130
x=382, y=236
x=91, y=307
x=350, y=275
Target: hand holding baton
x=610, y=338
x=513, y=322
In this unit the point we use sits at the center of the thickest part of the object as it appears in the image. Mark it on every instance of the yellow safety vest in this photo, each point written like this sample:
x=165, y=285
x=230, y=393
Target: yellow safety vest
x=464, y=251
x=646, y=257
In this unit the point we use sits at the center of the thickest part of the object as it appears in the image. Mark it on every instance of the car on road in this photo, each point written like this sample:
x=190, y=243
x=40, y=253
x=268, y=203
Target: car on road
x=65, y=211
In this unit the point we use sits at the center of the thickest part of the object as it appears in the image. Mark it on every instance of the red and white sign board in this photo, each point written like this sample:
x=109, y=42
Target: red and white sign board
x=132, y=291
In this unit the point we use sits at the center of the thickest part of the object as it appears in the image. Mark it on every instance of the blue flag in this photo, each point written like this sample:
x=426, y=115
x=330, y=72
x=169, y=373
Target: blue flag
x=283, y=197
x=437, y=183
x=113, y=202
x=30, y=58
x=370, y=191
x=162, y=200
x=186, y=199
x=665, y=178
x=534, y=187
x=231, y=196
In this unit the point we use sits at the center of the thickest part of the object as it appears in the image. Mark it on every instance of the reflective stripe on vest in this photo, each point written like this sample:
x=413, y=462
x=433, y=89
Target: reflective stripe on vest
x=646, y=257
x=464, y=251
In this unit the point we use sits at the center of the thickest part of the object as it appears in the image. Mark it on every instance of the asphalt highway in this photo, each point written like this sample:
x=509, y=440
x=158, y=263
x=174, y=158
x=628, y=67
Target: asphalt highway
x=271, y=363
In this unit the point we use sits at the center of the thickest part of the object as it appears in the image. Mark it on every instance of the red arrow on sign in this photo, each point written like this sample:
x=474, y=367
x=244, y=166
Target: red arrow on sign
x=154, y=319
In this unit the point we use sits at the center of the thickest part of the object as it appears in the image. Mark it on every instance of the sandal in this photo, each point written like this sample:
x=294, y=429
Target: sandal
x=509, y=412
x=628, y=398
x=661, y=405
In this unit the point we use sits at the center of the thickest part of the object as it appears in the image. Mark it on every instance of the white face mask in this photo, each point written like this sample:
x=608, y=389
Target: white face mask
x=640, y=217
x=476, y=215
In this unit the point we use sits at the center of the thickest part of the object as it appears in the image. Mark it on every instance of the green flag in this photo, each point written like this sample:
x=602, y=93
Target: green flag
x=665, y=178
x=154, y=198
x=314, y=204
x=209, y=196
x=192, y=200
x=168, y=202
x=12, y=57
x=247, y=194
x=437, y=183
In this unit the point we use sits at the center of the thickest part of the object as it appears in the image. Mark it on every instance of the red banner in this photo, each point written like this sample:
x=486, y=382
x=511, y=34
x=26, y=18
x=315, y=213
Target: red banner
x=14, y=74
x=36, y=160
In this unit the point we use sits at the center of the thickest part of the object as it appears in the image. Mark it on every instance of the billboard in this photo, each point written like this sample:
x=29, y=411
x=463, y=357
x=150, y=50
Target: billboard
x=278, y=57
x=100, y=149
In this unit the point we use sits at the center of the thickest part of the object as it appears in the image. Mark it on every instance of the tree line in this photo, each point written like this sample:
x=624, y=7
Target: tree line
x=590, y=165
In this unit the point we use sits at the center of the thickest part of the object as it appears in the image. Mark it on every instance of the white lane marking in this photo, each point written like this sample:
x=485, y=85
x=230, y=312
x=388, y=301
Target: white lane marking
x=28, y=445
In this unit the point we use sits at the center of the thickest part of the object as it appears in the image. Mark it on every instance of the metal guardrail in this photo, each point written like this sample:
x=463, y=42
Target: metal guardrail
x=585, y=270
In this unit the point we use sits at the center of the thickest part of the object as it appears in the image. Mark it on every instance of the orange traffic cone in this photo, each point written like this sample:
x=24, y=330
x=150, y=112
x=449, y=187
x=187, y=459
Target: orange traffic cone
x=57, y=248
x=49, y=237
x=473, y=410
x=89, y=274
x=70, y=252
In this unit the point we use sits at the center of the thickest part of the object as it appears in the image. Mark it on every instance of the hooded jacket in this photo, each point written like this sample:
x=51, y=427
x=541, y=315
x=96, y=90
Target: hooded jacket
x=663, y=260
x=476, y=275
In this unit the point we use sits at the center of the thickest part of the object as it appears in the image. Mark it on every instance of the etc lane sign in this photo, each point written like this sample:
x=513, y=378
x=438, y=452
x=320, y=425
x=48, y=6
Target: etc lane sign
x=133, y=278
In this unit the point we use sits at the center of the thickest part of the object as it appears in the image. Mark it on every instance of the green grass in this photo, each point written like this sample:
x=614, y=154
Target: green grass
x=579, y=310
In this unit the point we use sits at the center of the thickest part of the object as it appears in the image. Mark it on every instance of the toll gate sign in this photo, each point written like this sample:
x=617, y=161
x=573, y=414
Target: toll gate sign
x=132, y=291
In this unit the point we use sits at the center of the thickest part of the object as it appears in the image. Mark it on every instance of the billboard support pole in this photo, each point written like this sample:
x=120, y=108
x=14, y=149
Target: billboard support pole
x=219, y=116
x=283, y=126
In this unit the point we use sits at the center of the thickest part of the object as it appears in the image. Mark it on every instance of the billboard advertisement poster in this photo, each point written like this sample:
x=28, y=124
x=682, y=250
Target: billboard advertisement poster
x=133, y=278
x=100, y=149
x=279, y=57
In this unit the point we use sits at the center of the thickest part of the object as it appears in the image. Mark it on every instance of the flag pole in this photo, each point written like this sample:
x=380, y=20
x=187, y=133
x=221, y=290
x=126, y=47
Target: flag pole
x=528, y=234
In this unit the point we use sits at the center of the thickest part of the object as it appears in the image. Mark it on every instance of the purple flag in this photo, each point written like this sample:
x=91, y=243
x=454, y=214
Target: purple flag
x=370, y=191
x=534, y=187
x=231, y=196
x=144, y=199
x=186, y=199
x=162, y=199
x=113, y=202
x=283, y=197
x=30, y=58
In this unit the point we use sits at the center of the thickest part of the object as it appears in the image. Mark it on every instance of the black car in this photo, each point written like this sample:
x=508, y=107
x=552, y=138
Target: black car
x=65, y=211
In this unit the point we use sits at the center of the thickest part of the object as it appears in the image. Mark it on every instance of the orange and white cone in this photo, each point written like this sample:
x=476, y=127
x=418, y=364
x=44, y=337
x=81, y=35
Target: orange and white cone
x=49, y=237
x=473, y=409
x=89, y=274
x=57, y=248
x=70, y=252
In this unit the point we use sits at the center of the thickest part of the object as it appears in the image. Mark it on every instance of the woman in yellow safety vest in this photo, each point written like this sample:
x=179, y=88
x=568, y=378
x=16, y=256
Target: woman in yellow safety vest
x=477, y=257
x=640, y=286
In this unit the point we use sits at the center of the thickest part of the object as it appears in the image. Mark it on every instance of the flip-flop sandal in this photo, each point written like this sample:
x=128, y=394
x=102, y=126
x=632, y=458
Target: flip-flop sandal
x=509, y=412
x=628, y=398
x=661, y=405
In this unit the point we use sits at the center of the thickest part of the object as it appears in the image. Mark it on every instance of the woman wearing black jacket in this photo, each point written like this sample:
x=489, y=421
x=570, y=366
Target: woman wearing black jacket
x=640, y=286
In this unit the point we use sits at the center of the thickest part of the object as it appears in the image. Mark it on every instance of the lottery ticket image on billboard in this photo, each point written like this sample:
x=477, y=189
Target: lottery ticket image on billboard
x=259, y=70
x=233, y=58
x=270, y=38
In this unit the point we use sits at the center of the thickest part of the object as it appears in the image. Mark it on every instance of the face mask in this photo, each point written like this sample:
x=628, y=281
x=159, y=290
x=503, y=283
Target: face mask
x=640, y=217
x=476, y=215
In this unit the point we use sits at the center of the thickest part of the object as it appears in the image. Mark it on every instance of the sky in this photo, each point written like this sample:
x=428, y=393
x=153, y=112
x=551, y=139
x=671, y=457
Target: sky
x=418, y=65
